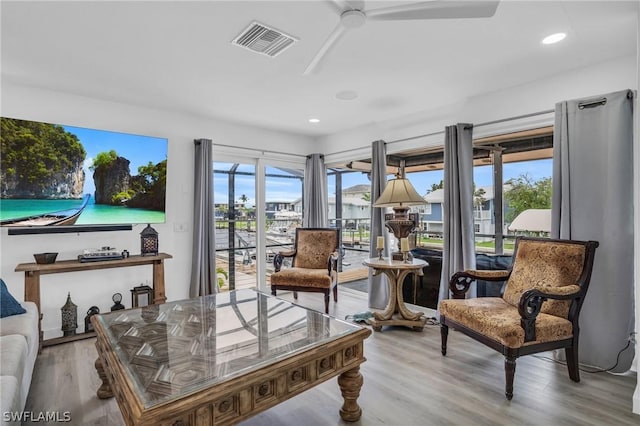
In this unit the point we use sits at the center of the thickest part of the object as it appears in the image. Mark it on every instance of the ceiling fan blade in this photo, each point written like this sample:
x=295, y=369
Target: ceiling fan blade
x=438, y=9
x=331, y=40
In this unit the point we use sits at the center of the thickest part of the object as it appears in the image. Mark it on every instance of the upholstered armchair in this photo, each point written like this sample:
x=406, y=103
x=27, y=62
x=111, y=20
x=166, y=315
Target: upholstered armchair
x=313, y=265
x=538, y=310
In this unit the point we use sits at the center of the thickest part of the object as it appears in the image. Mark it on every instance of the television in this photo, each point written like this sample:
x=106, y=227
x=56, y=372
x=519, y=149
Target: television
x=58, y=178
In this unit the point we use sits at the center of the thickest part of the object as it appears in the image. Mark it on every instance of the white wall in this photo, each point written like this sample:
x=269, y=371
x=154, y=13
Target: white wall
x=97, y=287
x=540, y=95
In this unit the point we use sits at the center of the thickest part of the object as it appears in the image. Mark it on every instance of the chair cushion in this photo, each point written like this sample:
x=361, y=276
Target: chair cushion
x=500, y=321
x=313, y=248
x=8, y=304
x=302, y=277
x=543, y=264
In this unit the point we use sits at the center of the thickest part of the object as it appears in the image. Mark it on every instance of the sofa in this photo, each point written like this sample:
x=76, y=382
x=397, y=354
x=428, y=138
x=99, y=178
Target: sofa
x=19, y=344
x=424, y=290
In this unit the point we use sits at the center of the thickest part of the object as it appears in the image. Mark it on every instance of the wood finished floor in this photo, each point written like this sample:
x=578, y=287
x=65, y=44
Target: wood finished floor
x=406, y=382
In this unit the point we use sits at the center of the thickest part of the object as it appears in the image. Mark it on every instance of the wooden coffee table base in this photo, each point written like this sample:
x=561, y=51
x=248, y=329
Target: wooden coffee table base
x=235, y=400
x=350, y=383
x=104, y=391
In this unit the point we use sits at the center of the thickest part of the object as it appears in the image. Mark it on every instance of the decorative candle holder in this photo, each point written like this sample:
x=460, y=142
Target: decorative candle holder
x=380, y=254
x=405, y=257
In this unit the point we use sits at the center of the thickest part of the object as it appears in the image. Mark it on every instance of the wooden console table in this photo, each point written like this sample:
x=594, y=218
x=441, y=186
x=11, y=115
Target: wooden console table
x=32, y=272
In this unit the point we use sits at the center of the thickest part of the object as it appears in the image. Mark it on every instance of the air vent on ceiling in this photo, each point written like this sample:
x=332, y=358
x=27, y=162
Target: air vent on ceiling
x=263, y=39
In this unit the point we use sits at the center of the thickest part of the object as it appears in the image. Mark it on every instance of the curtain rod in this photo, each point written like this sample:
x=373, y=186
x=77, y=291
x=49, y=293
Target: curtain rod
x=502, y=120
x=260, y=150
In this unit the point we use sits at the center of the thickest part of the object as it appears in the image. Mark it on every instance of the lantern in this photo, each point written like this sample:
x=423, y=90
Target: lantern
x=88, y=327
x=69, y=317
x=149, y=241
x=141, y=295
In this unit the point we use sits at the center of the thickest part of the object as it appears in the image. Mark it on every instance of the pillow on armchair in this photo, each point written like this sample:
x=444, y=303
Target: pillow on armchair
x=8, y=304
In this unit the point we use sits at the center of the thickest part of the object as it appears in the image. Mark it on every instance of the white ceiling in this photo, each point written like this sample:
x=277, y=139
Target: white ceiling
x=178, y=56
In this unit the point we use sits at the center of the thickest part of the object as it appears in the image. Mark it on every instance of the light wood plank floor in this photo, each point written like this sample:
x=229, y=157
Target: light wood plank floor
x=406, y=382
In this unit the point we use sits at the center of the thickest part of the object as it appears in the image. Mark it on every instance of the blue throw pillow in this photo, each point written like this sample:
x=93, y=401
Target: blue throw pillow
x=8, y=305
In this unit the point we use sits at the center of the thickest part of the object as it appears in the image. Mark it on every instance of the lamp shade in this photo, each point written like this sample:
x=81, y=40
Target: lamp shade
x=399, y=192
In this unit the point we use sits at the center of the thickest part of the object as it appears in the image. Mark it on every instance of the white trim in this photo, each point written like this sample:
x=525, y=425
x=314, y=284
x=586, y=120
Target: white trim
x=436, y=139
x=339, y=158
x=227, y=153
x=636, y=220
x=515, y=125
x=427, y=141
x=261, y=226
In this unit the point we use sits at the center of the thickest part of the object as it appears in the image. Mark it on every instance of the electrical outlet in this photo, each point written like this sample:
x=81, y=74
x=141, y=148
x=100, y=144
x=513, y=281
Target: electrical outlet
x=180, y=227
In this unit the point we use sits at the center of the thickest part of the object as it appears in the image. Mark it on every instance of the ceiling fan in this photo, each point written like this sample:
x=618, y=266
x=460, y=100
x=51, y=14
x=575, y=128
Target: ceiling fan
x=353, y=15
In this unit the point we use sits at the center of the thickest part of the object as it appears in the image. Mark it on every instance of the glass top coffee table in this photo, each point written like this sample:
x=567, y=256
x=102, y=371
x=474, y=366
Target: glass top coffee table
x=222, y=358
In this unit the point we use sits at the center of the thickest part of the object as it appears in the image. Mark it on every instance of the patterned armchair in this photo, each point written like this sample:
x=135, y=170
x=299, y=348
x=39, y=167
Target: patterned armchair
x=314, y=264
x=539, y=309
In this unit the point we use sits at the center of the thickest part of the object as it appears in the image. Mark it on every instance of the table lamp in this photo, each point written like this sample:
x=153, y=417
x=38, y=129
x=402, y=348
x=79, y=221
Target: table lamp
x=399, y=194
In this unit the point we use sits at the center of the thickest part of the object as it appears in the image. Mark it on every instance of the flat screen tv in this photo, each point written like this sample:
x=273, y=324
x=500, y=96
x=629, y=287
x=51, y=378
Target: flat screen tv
x=58, y=178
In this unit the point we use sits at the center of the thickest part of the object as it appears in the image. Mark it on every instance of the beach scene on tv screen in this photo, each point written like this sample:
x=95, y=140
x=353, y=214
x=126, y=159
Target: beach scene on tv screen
x=53, y=175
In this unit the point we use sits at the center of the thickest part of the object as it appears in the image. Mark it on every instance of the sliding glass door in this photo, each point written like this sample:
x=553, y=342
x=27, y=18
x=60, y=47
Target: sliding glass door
x=235, y=216
x=258, y=206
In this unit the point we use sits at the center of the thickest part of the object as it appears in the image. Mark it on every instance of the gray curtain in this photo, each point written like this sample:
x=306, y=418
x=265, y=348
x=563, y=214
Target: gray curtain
x=316, y=201
x=459, y=251
x=203, y=256
x=593, y=200
x=378, y=288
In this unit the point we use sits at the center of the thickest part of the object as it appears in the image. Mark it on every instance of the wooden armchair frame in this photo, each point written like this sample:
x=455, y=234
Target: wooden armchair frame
x=529, y=307
x=292, y=285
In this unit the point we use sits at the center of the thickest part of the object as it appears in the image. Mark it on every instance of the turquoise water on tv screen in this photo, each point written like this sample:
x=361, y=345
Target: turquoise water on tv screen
x=93, y=214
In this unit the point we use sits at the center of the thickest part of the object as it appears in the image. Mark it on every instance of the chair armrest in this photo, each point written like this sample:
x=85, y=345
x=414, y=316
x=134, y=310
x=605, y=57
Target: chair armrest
x=278, y=258
x=332, y=262
x=461, y=281
x=489, y=275
x=530, y=305
x=559, y=293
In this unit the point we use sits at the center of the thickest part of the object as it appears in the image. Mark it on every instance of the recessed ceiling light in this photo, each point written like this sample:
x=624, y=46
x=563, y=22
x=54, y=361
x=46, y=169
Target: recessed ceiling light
x=346, y=95
x=314, y=120
x=554, y=38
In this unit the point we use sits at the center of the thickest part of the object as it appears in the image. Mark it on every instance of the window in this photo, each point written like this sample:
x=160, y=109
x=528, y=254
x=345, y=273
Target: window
x=522, y=163
x=238, y=227
x=283, y=210
x=234, y=200
x=512, y=173
x=429, y=184
x=350, y=210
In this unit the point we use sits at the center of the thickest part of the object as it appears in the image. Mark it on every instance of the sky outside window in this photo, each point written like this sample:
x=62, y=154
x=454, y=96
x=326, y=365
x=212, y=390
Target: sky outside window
x=289, y=189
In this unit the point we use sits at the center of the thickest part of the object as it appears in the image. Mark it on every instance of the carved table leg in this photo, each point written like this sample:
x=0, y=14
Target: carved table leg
x=392, y=305
x=350, y=383
x=104, y=391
